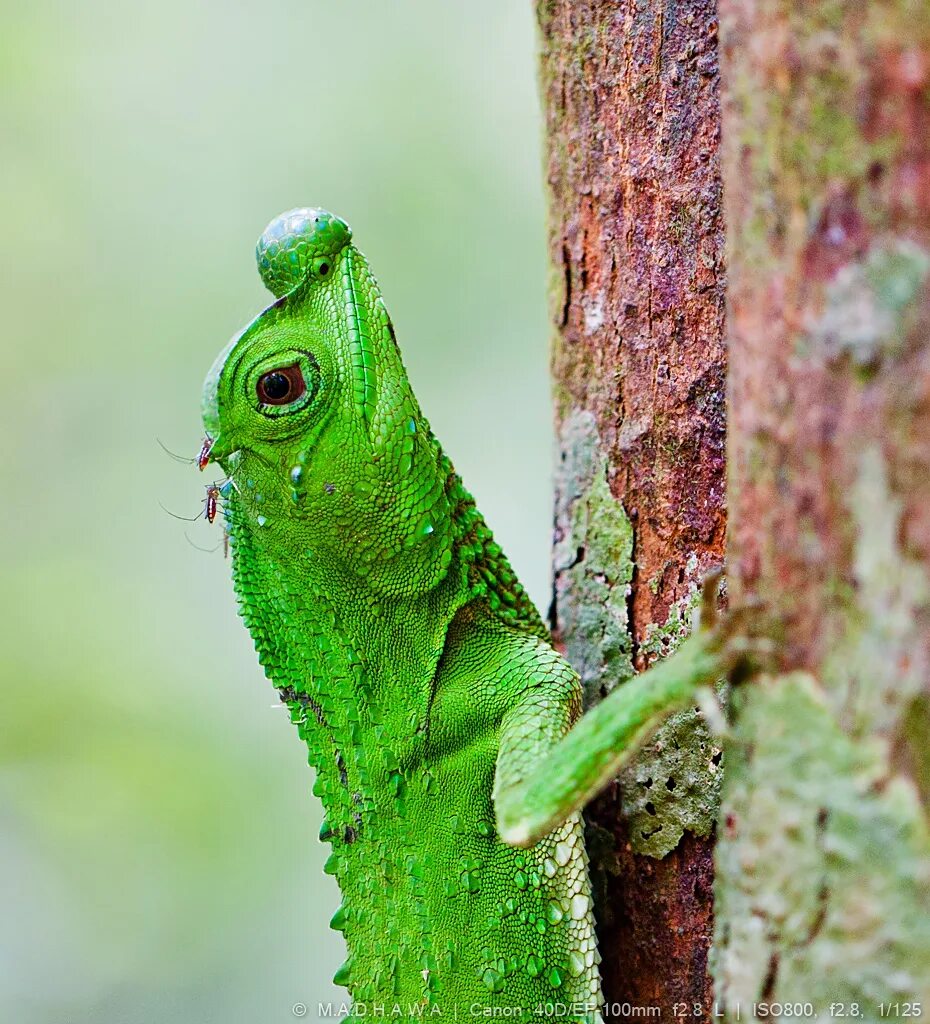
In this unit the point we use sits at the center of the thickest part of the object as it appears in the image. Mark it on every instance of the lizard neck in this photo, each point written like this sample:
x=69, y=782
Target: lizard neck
x=398, y=636
x=348, y=652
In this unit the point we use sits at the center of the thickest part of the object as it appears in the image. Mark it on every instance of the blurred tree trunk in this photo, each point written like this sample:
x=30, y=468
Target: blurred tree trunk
x=630, y=91
x=823, y=888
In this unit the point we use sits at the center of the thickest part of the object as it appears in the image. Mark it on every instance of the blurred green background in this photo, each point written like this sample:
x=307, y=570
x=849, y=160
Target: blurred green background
x=158, y=839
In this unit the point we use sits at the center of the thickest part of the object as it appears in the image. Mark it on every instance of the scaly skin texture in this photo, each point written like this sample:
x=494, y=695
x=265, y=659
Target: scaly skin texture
x=416, y=669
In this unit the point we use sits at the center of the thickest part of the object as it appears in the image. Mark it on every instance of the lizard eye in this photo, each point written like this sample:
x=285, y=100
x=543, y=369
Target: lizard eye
x=281, y=386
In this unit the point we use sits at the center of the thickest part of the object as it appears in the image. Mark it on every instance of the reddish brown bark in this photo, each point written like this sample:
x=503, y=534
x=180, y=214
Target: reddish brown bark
x=630, y=92
x=829, y=305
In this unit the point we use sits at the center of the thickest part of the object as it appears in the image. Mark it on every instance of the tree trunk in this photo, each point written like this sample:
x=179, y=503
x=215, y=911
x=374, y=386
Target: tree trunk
x=632, y=122
x=823, y=888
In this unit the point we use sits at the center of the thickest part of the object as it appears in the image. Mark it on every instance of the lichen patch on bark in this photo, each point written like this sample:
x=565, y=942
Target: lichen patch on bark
x=867, y=303
x=880, y=663
x=673, y=785
x=823, y=877
x=592, y=561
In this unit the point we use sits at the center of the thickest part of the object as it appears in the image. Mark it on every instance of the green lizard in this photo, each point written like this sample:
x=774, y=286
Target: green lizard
x=417, y=670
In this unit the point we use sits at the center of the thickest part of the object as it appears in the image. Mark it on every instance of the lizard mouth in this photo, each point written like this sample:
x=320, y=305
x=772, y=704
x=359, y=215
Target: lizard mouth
x=231, y=461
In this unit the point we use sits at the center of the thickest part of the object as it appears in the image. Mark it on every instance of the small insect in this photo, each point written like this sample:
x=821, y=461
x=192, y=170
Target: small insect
x=204, y=457
x=210, y=502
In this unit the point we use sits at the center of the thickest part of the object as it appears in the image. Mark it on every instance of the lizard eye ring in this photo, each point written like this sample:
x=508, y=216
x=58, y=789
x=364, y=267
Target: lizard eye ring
x=284, y=386
x=281, y=386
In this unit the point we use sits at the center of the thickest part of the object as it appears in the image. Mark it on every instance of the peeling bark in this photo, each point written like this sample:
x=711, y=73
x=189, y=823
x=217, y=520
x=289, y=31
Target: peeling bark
x=630, y=92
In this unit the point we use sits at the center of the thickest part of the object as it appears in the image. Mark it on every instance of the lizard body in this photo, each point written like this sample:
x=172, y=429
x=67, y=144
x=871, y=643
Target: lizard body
x=416, y=668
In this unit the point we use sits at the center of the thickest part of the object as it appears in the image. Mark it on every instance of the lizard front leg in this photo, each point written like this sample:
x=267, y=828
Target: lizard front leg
x=546, y=771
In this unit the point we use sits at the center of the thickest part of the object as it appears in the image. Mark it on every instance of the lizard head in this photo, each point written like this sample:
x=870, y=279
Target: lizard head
x=312, y=417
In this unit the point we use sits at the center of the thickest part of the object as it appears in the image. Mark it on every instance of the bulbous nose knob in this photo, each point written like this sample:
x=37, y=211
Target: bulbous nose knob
x=297, y=242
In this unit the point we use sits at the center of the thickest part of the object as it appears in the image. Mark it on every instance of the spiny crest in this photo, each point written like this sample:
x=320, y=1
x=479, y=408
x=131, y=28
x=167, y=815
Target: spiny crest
x=293, y=241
